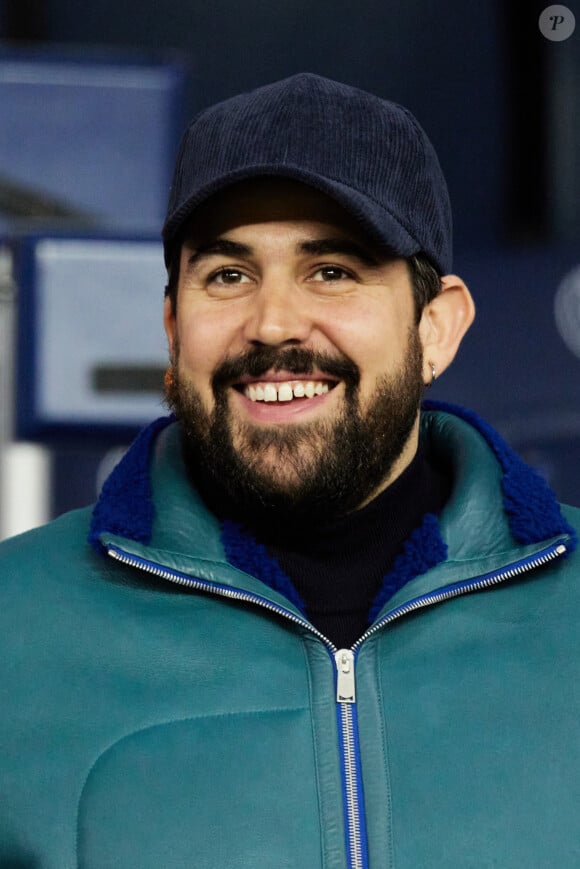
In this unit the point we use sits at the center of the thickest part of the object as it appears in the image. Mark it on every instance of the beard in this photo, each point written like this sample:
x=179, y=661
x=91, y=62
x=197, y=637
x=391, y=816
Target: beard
x=300, y=472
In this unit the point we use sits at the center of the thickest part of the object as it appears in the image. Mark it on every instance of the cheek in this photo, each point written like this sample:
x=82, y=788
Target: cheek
x=374, y=338
x=202, y=345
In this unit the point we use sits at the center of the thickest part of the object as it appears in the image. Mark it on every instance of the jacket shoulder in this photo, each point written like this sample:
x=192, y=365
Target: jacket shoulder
x=61, y=541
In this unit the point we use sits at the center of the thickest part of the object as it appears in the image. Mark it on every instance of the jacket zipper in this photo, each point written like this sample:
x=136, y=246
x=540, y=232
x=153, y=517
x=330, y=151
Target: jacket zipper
x=346, y=688
x=345, y=660
x=354, y=819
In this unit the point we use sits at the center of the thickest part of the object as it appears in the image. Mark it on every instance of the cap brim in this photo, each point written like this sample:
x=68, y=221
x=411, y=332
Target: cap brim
x=373, y=219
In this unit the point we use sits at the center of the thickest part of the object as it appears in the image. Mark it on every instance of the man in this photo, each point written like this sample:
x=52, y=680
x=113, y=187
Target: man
x=315, y=626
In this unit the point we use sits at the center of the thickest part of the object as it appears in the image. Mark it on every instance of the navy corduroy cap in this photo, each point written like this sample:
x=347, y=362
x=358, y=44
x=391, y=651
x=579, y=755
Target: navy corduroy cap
x=369, y=154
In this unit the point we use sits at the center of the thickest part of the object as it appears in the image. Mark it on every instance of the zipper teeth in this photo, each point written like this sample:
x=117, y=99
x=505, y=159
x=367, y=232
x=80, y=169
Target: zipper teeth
x=351, y=789
x=437, y=597
x=495, y=579
x=180, y=579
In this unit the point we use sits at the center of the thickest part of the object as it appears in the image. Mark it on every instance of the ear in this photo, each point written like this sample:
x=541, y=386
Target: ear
x=444, y=322
x=169, y=324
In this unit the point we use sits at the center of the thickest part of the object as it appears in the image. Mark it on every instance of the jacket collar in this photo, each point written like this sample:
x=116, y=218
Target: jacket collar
x=532, y=510
x=148, y=499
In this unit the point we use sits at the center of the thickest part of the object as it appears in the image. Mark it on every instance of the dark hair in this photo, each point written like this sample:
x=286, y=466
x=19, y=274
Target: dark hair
x=425, y=281
x=424, y=278
x=173, y=274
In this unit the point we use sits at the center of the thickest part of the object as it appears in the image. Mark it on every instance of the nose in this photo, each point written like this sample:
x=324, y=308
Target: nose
x=278, y=314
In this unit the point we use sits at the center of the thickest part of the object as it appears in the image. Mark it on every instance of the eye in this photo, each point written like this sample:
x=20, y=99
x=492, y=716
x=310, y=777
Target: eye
x=228, y=276
x=331, y=273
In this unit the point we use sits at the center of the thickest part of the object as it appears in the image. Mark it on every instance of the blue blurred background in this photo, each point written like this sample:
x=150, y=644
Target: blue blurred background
x=93, y=97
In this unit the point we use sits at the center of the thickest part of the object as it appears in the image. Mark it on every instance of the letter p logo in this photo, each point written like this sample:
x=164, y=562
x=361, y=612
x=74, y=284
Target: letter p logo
x=557, y=23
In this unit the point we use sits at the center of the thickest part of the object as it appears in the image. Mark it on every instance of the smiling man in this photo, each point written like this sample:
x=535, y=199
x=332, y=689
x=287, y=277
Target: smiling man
x=316, y=623
x=297, y=356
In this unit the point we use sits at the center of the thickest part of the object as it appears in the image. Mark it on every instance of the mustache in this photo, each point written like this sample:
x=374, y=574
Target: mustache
x=296, y=360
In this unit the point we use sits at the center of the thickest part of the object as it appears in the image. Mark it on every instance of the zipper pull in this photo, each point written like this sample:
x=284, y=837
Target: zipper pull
x=345, y=682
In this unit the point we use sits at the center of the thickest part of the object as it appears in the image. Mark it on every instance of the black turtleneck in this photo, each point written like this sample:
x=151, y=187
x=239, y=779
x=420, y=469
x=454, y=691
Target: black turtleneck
x=337, y=567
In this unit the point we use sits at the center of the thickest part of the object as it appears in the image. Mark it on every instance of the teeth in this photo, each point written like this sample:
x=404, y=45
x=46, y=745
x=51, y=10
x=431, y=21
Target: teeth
x=285, y=391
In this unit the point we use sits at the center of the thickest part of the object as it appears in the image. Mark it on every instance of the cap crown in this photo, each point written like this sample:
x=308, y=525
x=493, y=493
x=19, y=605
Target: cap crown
x=369, y=154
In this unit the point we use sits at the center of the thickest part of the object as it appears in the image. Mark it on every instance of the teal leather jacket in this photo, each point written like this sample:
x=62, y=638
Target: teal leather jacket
x=161, y=707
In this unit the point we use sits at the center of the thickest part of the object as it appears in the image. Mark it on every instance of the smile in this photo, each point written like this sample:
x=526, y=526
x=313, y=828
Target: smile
x=285, y=391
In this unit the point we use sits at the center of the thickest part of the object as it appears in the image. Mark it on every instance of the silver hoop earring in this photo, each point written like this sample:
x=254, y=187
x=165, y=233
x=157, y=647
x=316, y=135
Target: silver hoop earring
x=433, y=375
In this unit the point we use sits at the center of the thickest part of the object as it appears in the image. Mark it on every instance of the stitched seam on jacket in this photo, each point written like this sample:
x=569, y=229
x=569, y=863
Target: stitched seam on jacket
x=315, y=750
x=385, y=753
x=165, y=723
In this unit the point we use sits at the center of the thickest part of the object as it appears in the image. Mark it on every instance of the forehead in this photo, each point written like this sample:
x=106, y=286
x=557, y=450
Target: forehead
x=269, y=200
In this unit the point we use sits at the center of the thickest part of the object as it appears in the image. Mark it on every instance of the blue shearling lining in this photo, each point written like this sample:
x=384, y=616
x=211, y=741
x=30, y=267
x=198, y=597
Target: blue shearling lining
x=530, y=505
x=423, y=550
x=248, y=555
x=125, y=506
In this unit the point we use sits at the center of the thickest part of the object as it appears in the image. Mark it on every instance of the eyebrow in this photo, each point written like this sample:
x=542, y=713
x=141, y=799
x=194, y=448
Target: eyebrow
x=314, y=247
x=222, y=246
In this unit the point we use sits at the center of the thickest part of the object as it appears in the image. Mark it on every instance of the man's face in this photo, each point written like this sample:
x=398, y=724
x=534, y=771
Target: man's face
x=297, y=365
